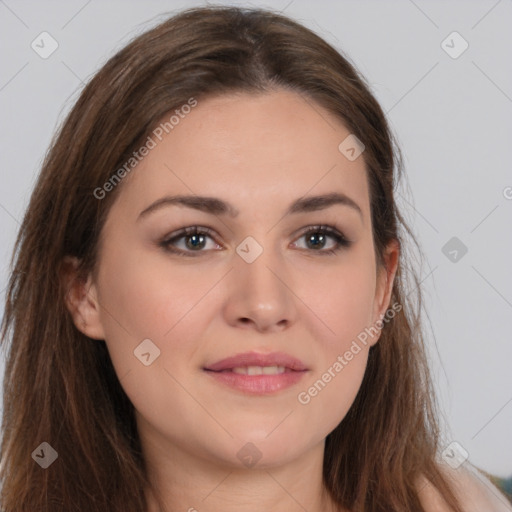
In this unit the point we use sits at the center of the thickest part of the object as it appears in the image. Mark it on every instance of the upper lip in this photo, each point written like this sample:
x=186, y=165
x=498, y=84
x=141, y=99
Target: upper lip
x=257, y=359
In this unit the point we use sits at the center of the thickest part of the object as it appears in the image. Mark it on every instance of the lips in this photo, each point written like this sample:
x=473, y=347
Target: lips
x=252, y=360
x=257, y=374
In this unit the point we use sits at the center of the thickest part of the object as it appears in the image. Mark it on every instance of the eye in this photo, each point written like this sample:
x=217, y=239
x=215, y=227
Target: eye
x=194, y=239
x=316, y=237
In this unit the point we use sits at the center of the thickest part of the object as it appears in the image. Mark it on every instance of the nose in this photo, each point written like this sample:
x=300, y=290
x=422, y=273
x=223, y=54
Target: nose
x=260, y=294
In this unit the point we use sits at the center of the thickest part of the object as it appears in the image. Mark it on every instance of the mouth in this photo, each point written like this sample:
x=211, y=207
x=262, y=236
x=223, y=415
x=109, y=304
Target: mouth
x=255, y=373
x=258, y=370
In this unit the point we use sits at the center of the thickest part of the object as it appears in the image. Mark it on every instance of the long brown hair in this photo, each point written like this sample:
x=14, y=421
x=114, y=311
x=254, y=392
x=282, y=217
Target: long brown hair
x=60, y=386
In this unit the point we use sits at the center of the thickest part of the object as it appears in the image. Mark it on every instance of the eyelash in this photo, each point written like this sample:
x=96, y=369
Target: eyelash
x=342, y=242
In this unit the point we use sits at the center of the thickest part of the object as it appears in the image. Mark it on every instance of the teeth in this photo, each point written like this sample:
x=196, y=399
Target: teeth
x=259, y=370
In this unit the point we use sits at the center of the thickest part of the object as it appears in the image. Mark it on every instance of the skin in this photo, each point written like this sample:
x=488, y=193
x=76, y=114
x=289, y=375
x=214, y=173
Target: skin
x=259, y=153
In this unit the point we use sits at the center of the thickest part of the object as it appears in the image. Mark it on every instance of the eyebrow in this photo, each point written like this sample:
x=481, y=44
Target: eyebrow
x=217, y=206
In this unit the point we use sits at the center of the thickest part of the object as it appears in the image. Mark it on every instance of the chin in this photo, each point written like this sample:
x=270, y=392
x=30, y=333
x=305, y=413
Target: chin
x=260, y=450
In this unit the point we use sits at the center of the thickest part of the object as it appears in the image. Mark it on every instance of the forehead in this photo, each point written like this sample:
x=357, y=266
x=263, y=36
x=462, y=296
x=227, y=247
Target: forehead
x=250, y=150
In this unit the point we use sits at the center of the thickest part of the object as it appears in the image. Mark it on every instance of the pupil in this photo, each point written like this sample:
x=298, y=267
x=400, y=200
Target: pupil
x=195, y=241
x=198, y=241
x=316, y=235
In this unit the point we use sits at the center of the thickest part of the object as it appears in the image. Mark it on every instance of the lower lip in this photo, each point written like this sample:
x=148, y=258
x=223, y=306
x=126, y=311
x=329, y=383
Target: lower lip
x=258, y=384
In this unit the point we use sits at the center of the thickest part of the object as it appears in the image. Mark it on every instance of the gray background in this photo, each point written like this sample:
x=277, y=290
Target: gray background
x=453, y=121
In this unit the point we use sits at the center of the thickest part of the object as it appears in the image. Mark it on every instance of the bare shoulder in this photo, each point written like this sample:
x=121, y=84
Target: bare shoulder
x=475, y=491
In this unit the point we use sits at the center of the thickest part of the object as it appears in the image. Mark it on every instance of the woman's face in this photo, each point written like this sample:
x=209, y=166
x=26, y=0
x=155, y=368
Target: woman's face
x=264, y=283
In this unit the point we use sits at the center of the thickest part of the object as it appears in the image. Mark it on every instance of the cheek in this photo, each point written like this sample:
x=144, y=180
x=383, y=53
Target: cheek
x=341, y=302
x=146, y=298
x=345, y=306
x=330, y=393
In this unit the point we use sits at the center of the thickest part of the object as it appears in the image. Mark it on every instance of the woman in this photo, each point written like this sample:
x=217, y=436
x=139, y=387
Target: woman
x=207, y=305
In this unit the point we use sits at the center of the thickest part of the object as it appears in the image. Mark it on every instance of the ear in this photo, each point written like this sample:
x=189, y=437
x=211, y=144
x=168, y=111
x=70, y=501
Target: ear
x=384, y=285
x=81, y=299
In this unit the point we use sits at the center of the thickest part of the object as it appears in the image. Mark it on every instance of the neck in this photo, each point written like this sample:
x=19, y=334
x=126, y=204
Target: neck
x=185, y=482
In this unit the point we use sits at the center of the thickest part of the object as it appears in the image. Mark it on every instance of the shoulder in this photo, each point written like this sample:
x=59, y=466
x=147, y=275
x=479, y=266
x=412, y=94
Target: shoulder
x=475, y=491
